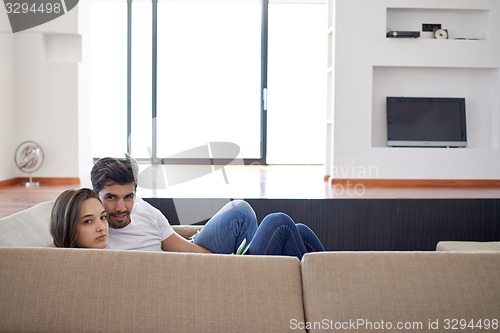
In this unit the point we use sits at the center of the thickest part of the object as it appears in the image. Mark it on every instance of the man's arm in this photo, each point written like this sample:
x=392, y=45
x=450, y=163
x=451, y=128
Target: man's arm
x=177, y=243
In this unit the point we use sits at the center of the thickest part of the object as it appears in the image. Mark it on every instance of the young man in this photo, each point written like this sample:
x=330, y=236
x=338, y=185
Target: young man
x=137, y=225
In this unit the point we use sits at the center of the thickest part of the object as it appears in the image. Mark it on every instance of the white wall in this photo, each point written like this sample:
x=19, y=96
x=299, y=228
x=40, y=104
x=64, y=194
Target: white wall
x=84, y=104
x=41, y=100
x=368, y=67
x=7, y=102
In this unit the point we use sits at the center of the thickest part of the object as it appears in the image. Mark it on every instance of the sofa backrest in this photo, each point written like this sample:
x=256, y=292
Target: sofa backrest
x=77, y=290
x=370, y=291
x=29, y=227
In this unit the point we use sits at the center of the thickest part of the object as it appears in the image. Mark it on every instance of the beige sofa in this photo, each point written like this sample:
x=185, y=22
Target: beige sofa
x=76, y=290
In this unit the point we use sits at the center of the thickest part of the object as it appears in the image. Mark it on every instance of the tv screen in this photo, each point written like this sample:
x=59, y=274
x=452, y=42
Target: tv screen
x=426, y=122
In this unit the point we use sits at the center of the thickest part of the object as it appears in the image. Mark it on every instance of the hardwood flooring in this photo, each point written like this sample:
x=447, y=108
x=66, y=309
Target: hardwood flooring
x=18, y=197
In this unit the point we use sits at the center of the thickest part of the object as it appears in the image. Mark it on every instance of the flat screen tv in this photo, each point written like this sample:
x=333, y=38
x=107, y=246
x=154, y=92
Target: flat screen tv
x=426, y=122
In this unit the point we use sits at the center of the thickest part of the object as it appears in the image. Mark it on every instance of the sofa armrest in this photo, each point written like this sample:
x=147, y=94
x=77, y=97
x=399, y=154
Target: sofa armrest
x=186, y=231
x=27, y=228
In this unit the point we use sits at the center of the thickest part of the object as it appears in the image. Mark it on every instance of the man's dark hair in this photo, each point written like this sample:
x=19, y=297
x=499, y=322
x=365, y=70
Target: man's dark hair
x=110, y=170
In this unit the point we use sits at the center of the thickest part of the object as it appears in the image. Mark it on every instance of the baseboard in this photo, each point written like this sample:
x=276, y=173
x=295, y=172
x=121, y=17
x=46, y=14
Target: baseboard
x=9, y=182
x=46, y=181
x=472, y=183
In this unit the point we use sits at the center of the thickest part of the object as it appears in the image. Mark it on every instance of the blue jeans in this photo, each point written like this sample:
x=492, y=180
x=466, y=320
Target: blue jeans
x=225, y=231
x=277, y=234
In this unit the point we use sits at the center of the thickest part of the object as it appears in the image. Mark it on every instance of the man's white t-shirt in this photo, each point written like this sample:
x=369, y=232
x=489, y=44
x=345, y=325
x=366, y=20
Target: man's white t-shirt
x=147, y=229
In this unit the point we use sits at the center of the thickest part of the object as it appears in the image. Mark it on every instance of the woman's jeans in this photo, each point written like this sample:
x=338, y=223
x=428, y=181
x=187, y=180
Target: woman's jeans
x=277, y=234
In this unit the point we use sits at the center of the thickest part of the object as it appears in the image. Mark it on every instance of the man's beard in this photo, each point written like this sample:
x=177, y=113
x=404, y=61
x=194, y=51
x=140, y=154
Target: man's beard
x=122, y=222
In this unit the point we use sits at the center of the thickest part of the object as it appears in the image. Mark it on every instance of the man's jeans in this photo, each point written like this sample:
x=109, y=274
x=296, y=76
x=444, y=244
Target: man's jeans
x=225, y=231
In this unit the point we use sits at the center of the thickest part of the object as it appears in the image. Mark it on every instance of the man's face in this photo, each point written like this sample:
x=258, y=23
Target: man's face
x=118, y=200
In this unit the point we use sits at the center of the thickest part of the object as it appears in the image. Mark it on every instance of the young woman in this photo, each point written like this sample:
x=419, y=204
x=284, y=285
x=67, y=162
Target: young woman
x=78, y=219
x=278, y=234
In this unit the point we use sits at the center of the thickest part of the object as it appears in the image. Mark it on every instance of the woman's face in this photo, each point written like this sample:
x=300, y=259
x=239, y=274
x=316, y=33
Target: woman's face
x=92, y=227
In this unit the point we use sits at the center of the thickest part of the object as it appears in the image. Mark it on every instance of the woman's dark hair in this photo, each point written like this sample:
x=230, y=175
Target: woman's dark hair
x=65, y=215
x=109, y=170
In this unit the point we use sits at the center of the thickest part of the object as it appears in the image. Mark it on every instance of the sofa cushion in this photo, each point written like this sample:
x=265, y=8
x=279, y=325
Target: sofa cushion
x=77, y=290
x=29, y=227
x=356, y=290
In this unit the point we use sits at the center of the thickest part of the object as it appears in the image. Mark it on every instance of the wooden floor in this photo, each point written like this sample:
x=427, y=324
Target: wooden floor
x=245, y=182
x=18, y=197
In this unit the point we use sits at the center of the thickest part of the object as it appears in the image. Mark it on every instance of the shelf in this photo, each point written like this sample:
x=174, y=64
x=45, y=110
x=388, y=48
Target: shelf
x=436, y=53
x=62, y=47
x=434, y=149
x=49, y=47
x=460, y=23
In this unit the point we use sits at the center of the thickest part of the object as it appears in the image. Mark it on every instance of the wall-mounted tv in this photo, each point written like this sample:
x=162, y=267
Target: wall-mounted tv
x=426, y=122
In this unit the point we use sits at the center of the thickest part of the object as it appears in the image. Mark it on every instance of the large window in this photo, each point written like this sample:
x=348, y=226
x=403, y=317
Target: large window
x=109, y=78
x=141, y=78
x=209, y=82
x=169, y=76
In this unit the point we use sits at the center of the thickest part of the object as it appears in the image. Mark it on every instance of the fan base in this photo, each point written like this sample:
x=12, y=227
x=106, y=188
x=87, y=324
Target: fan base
x=31, y=184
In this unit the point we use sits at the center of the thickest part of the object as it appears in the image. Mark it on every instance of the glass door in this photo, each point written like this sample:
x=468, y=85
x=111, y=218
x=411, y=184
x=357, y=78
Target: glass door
x=183, y=80
x=208, y=80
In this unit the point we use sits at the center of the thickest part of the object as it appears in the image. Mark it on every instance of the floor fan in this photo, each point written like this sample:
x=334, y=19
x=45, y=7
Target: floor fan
x=29, y=158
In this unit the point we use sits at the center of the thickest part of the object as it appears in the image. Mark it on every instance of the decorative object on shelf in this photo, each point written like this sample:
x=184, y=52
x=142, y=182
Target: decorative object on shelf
x=29, y=158
x=403, y=34
x=441, y=34
x=431, y=27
